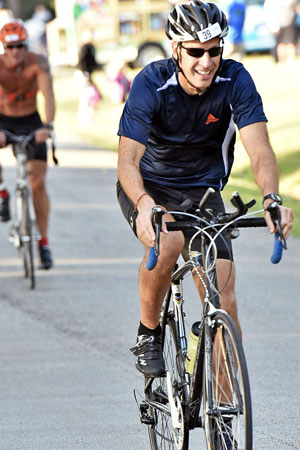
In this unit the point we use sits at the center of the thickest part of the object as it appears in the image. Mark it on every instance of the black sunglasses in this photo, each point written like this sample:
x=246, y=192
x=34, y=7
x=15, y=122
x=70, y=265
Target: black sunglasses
x=199, y=52
x=15, y=46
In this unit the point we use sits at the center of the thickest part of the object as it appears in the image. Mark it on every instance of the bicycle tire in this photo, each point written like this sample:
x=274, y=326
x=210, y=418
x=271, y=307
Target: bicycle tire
x=228, y=426
x=161, y=433
x=27, y=240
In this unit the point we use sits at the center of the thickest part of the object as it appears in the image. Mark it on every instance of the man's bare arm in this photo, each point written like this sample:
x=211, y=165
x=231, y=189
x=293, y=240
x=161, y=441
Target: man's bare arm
x=45, y=86
x=263, y=162
x=264, y=167
x=130, y=154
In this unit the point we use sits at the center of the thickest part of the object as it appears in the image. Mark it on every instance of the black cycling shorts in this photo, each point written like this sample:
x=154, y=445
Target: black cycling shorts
x=287, y=35
x=24, y=125
x=163, y=196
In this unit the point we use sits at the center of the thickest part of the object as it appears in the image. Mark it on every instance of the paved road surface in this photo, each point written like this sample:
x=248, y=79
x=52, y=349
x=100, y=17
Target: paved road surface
x=66, y=374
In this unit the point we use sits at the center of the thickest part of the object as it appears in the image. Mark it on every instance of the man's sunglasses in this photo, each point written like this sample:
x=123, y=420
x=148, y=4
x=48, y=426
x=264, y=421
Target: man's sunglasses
x=199, y=52
x=15, y=46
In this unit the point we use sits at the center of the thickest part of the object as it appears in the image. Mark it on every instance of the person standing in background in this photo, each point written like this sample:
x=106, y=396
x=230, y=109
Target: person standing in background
x=235, y=11
x=280, y=17
x=36, y=29
x=89, y=94
x=87, y=54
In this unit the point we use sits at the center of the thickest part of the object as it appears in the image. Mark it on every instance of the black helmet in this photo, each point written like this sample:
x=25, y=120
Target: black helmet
x=196, y=20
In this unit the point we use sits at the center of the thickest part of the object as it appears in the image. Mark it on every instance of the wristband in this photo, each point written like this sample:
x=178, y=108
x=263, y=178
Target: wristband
x=273, y=196
x=140, y=197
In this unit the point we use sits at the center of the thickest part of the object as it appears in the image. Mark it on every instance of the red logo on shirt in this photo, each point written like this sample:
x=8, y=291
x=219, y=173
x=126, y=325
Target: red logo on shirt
x=211, y=119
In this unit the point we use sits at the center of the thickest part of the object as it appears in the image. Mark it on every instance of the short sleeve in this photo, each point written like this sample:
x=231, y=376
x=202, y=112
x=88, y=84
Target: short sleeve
x=139, y=110
x=246, y=102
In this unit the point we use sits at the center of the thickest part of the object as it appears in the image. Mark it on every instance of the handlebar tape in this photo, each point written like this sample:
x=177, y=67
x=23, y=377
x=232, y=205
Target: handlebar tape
x=275, y=258
x=152, y=259
x=277, y=251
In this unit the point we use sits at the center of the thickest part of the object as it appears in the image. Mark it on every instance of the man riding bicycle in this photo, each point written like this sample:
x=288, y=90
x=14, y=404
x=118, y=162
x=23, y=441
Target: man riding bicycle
x=177, y=136
x=22, y=75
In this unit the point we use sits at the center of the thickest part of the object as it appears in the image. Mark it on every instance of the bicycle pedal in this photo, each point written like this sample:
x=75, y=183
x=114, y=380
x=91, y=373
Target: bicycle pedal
x=144, y=416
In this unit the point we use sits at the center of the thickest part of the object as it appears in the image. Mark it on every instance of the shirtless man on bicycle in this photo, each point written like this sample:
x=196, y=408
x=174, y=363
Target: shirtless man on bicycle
x=22, y=75
x=177, y=136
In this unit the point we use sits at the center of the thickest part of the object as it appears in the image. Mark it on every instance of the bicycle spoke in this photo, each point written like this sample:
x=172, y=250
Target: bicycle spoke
x=228, y=420
x=162, y=434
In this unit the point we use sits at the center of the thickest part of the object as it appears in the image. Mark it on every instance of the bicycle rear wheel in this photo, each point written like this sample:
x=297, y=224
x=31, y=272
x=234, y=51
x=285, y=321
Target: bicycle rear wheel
x=227, y=409
x=162, y=434
x=27, y=238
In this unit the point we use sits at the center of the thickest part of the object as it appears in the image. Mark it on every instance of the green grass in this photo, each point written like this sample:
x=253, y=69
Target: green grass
x=280, y=89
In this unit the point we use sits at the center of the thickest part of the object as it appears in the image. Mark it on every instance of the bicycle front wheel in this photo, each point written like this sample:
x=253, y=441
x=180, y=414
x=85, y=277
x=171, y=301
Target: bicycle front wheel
x=163, y=432
x=27, y=239
x=227, y=409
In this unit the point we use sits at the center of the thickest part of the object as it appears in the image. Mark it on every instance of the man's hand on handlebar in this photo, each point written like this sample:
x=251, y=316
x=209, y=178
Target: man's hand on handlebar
x=287, y=218
x=41, y=135
x=144, y=226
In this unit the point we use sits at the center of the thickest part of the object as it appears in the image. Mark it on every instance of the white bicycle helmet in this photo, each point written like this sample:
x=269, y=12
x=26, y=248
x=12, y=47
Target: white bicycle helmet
x=196, y=20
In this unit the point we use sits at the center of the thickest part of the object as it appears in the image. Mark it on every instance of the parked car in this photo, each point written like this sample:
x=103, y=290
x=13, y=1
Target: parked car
x=257, y=36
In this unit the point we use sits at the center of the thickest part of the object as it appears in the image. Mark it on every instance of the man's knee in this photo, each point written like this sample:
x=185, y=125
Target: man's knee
x=37, y=183
x=170, y=248
x=37, y=175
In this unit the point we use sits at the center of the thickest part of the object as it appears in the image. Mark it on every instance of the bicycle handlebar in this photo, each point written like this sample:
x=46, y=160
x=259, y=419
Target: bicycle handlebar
x=19, y=139
x=24, y=140
x=279, y=240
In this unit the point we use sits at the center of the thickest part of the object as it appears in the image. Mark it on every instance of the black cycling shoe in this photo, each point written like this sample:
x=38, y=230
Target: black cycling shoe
x=148, y=351
x=4, y=209
x=46, y=258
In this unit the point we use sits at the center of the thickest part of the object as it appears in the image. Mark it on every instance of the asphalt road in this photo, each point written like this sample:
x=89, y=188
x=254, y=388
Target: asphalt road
x=66, y=373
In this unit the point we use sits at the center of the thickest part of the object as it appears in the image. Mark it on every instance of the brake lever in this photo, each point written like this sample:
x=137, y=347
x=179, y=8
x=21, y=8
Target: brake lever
x=53, y=146
x=157, y=214
x=276, y=219
x=207, y=213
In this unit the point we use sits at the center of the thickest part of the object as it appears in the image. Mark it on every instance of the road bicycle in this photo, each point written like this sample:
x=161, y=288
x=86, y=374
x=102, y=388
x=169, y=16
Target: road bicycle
x=206, y=383
x=22, y=232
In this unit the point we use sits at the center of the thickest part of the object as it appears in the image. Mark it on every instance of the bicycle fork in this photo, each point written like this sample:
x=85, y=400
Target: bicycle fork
x=15, y=237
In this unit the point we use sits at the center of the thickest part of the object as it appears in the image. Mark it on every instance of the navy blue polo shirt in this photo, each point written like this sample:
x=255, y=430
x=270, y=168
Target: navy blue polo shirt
x=189, y=139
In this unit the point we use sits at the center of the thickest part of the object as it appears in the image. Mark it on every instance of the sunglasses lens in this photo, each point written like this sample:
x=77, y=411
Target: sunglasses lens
x=195, y=52
x=16, y=46
x=215, y=51
x=199, y=52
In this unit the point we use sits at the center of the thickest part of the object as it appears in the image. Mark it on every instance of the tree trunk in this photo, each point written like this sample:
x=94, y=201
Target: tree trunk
x=14, y=5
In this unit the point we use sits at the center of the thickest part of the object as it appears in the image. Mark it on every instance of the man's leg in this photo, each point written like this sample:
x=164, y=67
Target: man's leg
x=153, y=286
x=37, y=174
x=4, y=200
x=226, y=282
x=37, y=170
x=226, y=279
x=225, y=269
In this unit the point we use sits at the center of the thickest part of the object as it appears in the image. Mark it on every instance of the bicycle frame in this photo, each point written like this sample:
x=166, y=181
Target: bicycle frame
x=216, y=394
x=22, y=185
x=21, y=233
x=193, y=387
